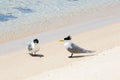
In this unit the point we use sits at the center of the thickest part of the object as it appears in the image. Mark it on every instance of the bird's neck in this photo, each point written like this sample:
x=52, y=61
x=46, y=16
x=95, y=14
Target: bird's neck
x=67, y=41
x=67, y=44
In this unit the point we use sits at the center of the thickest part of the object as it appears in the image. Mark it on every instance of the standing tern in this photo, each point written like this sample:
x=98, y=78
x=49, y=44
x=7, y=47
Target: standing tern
x=72, y=47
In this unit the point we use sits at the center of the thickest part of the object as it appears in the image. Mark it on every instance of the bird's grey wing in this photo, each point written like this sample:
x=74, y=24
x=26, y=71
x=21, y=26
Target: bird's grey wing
x=30, y=47
x=76, y=49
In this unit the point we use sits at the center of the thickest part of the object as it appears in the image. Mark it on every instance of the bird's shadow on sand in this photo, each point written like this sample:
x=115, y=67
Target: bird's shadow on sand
x=36, y=55
x=80, y=56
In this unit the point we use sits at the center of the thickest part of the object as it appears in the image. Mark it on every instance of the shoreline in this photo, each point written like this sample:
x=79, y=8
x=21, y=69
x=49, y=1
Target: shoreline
x=53, y=34
x=73, y=18
x=99, y=31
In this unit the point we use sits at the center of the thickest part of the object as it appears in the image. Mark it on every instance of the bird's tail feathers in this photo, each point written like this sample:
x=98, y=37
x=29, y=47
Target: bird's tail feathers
x=90, y=51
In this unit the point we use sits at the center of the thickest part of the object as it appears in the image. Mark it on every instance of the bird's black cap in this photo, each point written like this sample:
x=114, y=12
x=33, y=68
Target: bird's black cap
x=36, y=41
x=68, y=38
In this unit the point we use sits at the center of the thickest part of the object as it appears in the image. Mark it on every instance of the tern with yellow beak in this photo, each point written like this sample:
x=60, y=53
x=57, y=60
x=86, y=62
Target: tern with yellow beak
x=73, y=48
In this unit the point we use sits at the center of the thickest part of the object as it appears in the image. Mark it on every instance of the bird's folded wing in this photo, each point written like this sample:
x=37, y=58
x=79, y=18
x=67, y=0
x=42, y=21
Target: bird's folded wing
x=77, y=49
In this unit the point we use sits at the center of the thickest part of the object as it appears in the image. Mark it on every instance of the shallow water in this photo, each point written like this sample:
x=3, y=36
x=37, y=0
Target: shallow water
x=18, y=8
x=24, y=12
x=6, y=17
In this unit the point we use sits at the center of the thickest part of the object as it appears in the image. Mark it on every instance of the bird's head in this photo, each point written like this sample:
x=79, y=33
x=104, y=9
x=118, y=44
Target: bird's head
x=36, y=41
x=68, y=38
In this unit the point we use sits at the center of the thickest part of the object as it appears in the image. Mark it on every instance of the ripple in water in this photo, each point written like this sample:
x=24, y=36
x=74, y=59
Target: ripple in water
x=4, y=18
x=24, y=10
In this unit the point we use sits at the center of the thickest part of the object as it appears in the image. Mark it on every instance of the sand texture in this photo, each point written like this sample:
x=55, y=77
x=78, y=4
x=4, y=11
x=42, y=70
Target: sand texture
x=19, y=65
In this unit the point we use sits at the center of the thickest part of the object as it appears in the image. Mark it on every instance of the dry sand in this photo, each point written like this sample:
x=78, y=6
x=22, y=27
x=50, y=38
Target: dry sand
x=104, y=66
x=19, y=65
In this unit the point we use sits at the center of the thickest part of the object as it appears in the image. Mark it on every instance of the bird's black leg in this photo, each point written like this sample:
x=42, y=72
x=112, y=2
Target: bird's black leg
x=71, y=55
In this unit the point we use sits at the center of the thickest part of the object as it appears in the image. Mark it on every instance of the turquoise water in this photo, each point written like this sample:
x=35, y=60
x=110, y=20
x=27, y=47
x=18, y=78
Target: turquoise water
x=19, y=16
x=14, y=9
x=6, y=17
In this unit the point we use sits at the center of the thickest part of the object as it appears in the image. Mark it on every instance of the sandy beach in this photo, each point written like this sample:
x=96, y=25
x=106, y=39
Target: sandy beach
x=19, y=65
x=93, y=25
x=100, y=67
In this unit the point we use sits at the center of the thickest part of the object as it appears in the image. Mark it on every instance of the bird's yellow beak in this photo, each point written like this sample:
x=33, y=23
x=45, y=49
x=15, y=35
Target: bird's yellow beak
x=61, y=40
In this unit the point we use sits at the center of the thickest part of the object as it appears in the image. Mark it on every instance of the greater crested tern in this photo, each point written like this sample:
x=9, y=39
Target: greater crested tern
x=33, y=47
x=72, y=47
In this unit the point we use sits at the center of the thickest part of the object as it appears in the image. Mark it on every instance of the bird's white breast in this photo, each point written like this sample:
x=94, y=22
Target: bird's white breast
x=67, y=45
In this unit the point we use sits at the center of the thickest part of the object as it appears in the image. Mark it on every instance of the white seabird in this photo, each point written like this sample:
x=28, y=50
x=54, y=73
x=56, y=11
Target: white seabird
x=72, y=47
x=33, y=47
